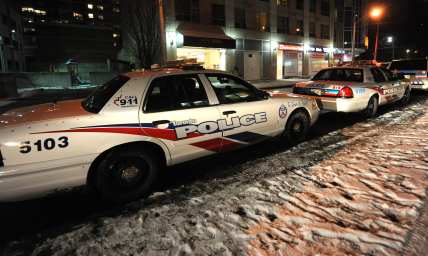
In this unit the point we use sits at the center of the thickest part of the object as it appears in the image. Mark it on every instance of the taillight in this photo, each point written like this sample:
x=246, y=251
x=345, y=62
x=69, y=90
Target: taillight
x=346, y=92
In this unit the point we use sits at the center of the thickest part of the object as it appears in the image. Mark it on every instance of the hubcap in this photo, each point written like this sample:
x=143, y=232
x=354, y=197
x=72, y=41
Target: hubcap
x=129, y=174
x=297, y=127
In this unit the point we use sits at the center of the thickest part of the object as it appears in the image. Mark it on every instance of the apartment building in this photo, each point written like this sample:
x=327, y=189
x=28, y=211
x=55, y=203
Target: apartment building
x=59, y=32
x=11, y=47
x=257, y=39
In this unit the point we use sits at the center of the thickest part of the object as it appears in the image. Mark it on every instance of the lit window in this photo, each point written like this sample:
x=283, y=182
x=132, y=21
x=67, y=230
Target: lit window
x=100, y=7
x=115, y=35
x=90, y=6
x=90, y=15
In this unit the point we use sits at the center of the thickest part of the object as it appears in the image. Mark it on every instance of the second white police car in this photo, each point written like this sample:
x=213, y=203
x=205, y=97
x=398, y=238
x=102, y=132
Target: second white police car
x=117, y=140
x=355, y=89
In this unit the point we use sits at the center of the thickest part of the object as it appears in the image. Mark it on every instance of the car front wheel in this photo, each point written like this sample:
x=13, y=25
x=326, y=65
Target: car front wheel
x=126, y=174
x=406, y=98
x=297, y=127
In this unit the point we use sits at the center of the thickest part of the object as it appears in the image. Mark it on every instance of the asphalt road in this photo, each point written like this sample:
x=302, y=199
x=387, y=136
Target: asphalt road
x=36, y=220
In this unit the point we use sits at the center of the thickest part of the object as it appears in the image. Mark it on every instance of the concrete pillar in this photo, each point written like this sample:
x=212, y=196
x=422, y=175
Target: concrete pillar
x=170, y=30
x=229, y=7
x=274, y=44
x=306, y=13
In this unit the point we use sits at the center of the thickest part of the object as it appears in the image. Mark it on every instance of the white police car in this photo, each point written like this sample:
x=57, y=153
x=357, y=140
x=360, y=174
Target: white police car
x=118, y=138
x=355, y=88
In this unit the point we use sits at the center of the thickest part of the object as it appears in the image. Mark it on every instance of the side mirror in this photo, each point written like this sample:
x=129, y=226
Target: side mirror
x=263, y=94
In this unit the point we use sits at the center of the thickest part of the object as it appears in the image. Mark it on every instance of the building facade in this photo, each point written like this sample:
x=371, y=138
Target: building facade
x=355, y=9
x=59, y=32
x=11, y=40
x=257, y=39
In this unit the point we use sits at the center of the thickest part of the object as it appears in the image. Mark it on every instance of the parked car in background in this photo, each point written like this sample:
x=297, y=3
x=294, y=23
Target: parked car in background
x=358, y=88
x=414, y=69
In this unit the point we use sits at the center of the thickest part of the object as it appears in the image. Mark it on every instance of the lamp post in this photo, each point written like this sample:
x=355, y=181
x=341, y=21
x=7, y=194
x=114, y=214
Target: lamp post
x=390, y=40
x=375, y=13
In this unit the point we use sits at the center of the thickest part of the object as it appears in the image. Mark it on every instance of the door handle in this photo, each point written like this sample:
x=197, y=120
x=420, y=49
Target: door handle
x=229, y=112
x=159, y=122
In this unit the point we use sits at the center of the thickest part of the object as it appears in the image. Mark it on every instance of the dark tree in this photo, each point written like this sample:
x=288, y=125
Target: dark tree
x=143, y=31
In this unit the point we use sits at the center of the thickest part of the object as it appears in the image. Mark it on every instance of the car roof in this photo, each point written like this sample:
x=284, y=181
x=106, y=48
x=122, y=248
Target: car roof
x=352, y=67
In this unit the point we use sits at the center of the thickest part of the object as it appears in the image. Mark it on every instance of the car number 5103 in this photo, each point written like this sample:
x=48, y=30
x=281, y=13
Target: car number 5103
x=45, y=144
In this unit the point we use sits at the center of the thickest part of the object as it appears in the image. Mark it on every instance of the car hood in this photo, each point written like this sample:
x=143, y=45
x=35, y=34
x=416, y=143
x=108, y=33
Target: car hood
x=43, y=112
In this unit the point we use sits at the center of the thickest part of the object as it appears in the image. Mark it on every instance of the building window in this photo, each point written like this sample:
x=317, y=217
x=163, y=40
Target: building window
x=263, y=21
x=283, y=25
x=90, y=15
x=312, y=29
x=325, y=31
x=100, y=7
x=90, y=6
x=77, y=16
x=100, y=17
x=299, y=4
x=299, y=28
x=325, y=8
x=240, y=18
x=187, y=10
x=218, y=15
x=283, y=3
x=313, y=6
x=116, y=10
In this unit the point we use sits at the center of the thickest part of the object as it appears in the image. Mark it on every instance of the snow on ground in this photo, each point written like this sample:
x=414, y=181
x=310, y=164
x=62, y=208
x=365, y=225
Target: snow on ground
x=353, y=191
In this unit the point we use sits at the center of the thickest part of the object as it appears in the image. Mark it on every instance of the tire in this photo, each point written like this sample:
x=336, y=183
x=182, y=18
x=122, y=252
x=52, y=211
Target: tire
x=372, y=107
x=126, y=174
x=406, y=98
x=297, y=128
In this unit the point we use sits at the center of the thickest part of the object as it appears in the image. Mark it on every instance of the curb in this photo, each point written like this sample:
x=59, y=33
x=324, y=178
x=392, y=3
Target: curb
x=417, y=241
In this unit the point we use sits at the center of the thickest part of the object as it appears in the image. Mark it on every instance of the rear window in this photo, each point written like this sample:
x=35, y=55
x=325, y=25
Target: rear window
x=345, y=75
x=96, y=101
x=409, y=65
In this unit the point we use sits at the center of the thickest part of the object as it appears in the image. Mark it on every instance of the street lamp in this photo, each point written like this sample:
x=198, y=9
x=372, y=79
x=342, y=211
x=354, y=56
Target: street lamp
x=375, y=14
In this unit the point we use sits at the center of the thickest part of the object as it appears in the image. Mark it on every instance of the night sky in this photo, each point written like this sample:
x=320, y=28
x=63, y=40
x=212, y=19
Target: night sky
x=407, y=22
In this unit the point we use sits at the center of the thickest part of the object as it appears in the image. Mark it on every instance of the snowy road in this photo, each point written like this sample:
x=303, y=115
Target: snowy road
x=354, y=188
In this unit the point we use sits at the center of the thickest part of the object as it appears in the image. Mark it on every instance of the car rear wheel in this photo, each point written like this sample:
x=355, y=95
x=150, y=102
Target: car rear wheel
x=297, y=127
x=126, y=174
x=372, y=107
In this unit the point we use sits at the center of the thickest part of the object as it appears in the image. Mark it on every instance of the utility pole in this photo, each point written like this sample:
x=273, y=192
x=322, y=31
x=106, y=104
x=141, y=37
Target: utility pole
x=376, y=42
x=354, y=32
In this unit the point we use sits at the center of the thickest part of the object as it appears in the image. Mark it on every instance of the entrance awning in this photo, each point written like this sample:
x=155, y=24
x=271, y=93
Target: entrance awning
x=196, y=35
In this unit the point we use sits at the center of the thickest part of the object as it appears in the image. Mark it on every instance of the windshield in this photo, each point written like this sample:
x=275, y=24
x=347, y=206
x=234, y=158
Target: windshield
x=96, y=101
x=345, y=75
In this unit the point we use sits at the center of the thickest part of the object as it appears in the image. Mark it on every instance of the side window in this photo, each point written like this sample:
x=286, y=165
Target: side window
x=378, y=75
x=232, y=90
x=389, y=75
x=175, y=93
